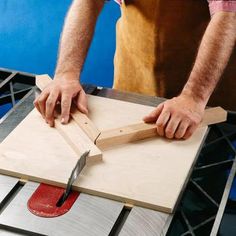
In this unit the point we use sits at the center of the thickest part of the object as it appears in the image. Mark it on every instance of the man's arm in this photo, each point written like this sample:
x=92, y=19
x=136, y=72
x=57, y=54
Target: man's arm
x=180, y=116
x=75, y=41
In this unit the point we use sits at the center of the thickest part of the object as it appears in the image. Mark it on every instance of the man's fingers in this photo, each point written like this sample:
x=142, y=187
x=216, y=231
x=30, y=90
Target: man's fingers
x=153, y=116
x=50, y=107
x=181, y=131
x=82, y=103
x=162, y=121
x=65, y=108
x=172, y=126
x=40, y=103
x=36, y=104
x=191, y=129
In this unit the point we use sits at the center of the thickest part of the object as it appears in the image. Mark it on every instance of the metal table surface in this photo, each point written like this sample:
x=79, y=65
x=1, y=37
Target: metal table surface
x=89, y=215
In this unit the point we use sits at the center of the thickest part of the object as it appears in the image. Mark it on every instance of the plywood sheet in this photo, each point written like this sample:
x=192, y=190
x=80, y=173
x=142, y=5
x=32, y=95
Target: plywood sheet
x=36, y=151
x=149, y=173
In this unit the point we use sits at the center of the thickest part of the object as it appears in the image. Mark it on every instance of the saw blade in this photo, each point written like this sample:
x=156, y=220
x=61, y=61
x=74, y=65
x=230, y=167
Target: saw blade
x=74, y=174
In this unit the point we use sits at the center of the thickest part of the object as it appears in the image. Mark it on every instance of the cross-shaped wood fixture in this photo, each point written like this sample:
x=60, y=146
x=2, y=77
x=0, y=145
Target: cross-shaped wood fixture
x=89, y=137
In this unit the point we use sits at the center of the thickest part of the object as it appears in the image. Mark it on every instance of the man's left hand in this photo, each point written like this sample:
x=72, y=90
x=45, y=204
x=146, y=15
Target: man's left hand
x=177, y=117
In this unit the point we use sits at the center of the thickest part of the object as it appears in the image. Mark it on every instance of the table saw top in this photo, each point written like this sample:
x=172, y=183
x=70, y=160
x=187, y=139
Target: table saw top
x=90, y=215
x=97, y=216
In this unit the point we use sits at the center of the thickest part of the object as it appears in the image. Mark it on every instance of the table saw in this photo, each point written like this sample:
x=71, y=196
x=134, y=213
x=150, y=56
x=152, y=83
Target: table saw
x=92, y=215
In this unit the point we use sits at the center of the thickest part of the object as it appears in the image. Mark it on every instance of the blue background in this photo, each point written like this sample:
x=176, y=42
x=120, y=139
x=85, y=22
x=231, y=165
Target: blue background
x=29, y=36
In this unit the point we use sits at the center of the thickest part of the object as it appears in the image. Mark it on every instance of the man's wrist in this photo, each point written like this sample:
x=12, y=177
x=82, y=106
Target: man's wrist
x=194, y=94
x=69, y=75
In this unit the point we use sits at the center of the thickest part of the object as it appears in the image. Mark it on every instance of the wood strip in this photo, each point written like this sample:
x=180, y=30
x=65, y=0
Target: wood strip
x=73, y=133
x=78, y=140
x=126, y=134
x=58, y=149
x=127, y=173
x=89, y=216
x=213, y=116
x=143, y=130
x=81, y=119
x=85, y=124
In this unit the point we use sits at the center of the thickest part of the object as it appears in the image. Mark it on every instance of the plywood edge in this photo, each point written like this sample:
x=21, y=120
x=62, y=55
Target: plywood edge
x=188, y=174
x=27, y=178
x=125, y=200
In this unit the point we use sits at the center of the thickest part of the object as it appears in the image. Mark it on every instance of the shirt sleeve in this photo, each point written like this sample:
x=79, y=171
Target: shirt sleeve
x=222, y=5
x=119, y=1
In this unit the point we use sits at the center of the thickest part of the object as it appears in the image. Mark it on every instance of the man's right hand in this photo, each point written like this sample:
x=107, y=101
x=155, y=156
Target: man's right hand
x=65, y=90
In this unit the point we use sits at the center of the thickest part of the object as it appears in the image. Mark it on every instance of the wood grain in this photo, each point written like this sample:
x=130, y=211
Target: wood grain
x=42, y=81
x=149, y=173
x=129, y=171
x=130, y=133
x=46, y=145
x=213, y=116
x=85, y=124
x=73, y=133
x=78, y=140
x=126, y=134
x=140, y=131
x=36, y=151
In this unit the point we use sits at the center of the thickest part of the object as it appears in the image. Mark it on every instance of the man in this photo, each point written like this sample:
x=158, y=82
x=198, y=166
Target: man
x=157, y=41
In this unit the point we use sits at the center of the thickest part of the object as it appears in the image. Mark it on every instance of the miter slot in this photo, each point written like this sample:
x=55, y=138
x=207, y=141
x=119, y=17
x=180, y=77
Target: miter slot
x=117, y=227
x=10, y=196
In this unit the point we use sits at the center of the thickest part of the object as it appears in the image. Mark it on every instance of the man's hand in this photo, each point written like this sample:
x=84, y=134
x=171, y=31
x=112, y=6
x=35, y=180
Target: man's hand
x=178, y=117
x=75, y=41
x=65, y=91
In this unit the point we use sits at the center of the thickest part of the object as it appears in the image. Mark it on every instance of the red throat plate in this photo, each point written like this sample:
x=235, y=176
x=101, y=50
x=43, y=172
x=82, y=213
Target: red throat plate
x=43, y=201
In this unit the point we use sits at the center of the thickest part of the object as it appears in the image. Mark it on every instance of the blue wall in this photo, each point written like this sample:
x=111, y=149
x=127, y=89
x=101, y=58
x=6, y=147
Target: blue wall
x=29, y=36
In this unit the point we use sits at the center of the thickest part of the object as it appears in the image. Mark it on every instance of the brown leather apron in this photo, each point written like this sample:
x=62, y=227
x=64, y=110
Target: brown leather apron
x=157, y=42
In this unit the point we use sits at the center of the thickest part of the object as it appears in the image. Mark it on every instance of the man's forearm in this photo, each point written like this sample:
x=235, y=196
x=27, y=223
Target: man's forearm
x=77, y=35
x=179, y=117
x=213, y=55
